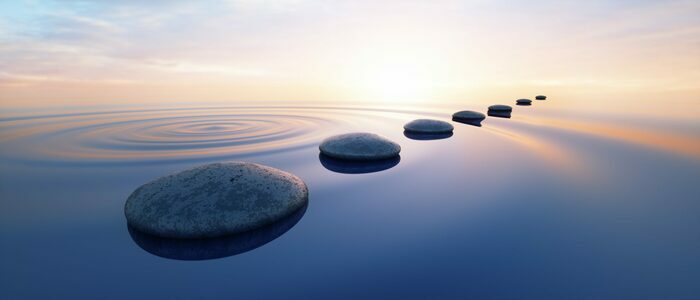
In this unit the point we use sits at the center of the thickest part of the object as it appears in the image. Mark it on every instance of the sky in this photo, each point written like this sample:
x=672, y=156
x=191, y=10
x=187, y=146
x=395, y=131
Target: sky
x=92, y=52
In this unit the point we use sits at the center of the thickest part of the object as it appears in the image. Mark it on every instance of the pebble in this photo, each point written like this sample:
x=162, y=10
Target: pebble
x=428, y=126
x=500, y=107
x=214, y=200
x=359, y=146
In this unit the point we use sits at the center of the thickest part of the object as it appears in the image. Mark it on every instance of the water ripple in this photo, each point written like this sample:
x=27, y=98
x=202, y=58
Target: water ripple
x=158, y=135
x=179, y=134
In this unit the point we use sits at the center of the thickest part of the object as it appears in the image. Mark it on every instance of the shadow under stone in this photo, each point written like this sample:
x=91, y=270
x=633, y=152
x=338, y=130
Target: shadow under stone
x=211, y=248
x=426, y=136
x=357, y=167
x=499, y=114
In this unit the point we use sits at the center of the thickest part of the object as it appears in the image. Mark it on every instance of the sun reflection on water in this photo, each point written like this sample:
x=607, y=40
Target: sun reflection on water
x=196, y=133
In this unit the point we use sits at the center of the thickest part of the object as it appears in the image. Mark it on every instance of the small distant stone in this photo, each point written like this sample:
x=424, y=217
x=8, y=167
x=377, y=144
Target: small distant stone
x=469, y=117
x=540, y=97
x=523, y=101
x=359, y=146
x=428, y=126
x=215, y=200
x=500, y=108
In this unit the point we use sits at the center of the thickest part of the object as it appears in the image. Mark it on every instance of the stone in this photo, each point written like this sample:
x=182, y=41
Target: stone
x=501, y=108
x=468, y=117
x=214, y=200
x=540, y=97
x=523, y=101
x=359, y=146
x=428, y=126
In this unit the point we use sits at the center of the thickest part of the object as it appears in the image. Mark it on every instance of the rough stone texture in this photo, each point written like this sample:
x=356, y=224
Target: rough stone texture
x=500, y=107
x=523, y=101
x=541, y=97
x=428, y=126
x=214, y=200
x=468, y=116
x=359, y=146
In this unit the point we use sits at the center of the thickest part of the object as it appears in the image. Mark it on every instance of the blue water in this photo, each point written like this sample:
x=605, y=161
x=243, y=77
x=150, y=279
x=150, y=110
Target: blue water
x=519, y=208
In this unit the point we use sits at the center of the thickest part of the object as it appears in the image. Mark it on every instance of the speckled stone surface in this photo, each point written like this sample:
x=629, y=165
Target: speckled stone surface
x=428, y=126
x=214, y=200
x=359, y=146
x=468, y=116
x=541, y=97
x=500, y=107
x=523, y=101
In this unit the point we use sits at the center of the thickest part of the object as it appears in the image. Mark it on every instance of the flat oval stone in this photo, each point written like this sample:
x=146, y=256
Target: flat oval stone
x=500, y=107
x=523, y=101
x=468, y=116
x=428, y=126
x=540, y=97
x=214, y=200
x=359, y=146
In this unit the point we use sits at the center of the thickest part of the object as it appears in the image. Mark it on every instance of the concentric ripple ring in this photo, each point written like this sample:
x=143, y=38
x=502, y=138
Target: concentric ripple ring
x=182, y=134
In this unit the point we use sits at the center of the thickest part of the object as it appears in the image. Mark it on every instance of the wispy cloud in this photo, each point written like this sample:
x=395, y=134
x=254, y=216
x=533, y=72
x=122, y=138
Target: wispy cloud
x=189, y=67
x=313, y=42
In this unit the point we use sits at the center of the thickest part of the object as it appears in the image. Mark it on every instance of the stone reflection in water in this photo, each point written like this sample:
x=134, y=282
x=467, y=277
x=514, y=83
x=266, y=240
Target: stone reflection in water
x=202, y=249
x=357, y=167
x=499, y=114
x=426, y=136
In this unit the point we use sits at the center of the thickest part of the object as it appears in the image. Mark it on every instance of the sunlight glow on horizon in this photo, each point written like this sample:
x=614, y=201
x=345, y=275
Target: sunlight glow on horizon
x=55, y=52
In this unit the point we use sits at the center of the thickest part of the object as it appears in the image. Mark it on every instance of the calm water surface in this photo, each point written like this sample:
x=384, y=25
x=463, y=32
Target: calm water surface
x=547, y=204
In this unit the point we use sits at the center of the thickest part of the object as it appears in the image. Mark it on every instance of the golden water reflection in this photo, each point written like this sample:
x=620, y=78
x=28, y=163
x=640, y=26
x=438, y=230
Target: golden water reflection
x=662, y=140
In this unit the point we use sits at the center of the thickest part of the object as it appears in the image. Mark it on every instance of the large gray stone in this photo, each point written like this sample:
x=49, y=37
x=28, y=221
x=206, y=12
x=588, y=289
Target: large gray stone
x=359, y=146
x=500, y=108
x=428, y=126
x=214, y=200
